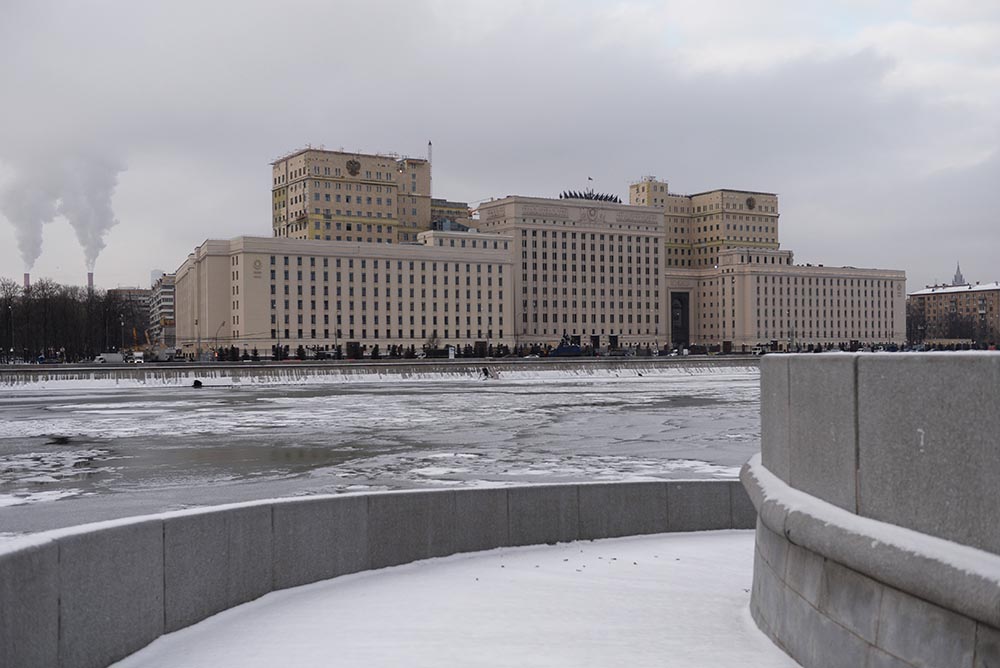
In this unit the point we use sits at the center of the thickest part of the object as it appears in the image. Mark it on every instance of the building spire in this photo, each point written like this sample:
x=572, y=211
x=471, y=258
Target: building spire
x=959, y=279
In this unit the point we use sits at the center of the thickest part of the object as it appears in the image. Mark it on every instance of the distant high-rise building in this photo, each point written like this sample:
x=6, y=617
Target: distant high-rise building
x=959, y=279
x=161, y=313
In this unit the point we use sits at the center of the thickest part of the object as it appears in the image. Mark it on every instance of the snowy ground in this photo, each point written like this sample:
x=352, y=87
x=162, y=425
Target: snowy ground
x=86, y=453
x=674, y=600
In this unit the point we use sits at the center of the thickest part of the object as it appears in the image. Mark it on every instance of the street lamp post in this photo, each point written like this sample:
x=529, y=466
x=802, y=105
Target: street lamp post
x=121, y=320
x=10, y=324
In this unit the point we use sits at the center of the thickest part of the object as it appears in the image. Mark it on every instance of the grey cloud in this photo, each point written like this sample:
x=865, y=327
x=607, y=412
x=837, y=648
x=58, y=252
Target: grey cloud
x=531, y=102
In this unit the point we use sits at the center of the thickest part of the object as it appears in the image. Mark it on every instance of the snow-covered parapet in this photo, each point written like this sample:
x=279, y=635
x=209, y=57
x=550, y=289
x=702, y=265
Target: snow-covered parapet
x=91, y=595
x=878, y=541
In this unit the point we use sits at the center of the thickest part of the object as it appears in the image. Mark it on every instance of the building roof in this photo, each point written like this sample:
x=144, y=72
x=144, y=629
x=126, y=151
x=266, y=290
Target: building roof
x=955, y=289
x=732, y=190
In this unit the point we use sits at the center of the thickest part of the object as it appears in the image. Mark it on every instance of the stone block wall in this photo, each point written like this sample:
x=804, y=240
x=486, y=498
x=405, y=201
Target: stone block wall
x=88, y=596
x=877, y=541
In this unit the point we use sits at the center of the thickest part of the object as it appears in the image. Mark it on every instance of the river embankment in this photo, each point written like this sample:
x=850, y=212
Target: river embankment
x=43, y=377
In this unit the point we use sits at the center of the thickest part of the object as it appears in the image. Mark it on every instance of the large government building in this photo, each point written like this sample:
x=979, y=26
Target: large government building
x=361, y=254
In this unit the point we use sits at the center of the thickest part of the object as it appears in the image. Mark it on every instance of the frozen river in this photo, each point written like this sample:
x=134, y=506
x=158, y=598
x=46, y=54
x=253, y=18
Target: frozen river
x=85, y=453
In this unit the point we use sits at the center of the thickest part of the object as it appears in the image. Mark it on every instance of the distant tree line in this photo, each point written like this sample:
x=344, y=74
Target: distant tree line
x=69, y=323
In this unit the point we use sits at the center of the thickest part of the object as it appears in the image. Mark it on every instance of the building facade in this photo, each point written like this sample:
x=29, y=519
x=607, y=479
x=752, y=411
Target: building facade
x=336, y=196
x=759, y=296
x=133, y=299
x=444, y=210
x=583, y=268
x=950, y=313
x=362, y=254
x=450, y=288
x=162, y=318
x=701, y=269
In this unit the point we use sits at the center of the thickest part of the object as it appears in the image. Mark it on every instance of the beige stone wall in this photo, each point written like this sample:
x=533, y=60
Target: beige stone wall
x=413, y=198
x=582, y=268
x=451, y=286
x=204, y=312
x=759, y=296
x=317, y=194
x=650, y=191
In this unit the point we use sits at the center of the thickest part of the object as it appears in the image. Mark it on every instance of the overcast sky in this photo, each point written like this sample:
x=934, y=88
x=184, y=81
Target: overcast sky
x=876, y=121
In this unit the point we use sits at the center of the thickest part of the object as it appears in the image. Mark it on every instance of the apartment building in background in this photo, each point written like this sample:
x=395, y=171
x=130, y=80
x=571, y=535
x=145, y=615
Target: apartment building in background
x=959, y=312
x=161, y=313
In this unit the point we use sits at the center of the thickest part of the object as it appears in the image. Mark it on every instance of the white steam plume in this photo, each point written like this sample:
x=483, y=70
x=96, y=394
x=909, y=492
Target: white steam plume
x=85, y=201
x=28, y=202
x=78, y=187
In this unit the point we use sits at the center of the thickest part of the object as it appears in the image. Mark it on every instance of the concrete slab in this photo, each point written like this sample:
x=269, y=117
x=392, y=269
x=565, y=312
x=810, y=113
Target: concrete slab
x=924, y=634
x=622, y=509
x=775, y=403
x=698, y=505
x=987, y=647
x=925, y=422
x=767, y=599
x=194, y=561
x=481, y=521
x=29, y=607
x=741, y=507
x=804, y=573
x=407, y=527
x=879, y=659
x=214, y=561
x=251, y=558
x=773, y=548
x=111, y=593
x=822, y=422
x=543, y=514
x=317, y=539
x=851, y=599
x=810, y=636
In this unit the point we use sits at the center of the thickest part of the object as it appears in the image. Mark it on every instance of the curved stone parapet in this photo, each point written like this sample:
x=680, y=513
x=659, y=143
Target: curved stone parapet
x=90, y=595
x=878, y=539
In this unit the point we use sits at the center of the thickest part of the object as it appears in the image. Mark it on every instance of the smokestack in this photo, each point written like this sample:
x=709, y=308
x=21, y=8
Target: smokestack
x=27, y=280
x=90, y=281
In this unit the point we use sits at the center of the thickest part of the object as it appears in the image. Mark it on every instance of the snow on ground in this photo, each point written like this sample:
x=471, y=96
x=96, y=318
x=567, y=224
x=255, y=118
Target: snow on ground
x=679, y=600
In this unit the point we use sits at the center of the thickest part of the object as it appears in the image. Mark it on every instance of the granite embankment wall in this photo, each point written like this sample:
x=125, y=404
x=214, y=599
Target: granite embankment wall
x=88, y=596
x=878, y=538
x=233, y=373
